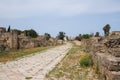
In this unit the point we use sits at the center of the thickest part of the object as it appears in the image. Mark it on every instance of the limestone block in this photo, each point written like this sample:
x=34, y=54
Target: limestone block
x=114, y=51
x=113, y=75
x=110, y=62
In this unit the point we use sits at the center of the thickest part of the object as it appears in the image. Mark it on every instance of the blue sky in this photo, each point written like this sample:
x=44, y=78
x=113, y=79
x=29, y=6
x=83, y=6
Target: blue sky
x=71, y=16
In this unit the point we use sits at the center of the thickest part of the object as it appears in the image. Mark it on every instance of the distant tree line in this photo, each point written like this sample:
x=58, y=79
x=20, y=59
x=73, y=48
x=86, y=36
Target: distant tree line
x=32, y=33
x=84, y=36
x=106, y=30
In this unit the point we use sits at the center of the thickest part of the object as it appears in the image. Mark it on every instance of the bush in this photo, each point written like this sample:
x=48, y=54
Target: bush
x=86, y=36
x=86, y=61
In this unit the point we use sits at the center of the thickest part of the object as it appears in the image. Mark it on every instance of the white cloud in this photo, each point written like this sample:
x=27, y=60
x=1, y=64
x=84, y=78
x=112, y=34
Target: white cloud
x=27, y=8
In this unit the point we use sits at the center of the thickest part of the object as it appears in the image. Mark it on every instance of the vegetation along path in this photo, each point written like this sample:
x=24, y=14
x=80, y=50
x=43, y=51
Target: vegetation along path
x=76, y=65
x=33, y=67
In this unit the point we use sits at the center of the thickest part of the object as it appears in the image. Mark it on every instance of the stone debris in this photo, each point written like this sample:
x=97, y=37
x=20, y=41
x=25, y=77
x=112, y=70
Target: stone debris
x=105, y=52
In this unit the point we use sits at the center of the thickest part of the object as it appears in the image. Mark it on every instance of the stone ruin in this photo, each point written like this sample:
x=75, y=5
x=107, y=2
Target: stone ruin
x=11, y=40
x=105, y=52
x=8, y=40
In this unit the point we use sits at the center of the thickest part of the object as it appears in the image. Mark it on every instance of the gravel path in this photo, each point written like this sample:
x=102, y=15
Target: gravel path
x=33, y=67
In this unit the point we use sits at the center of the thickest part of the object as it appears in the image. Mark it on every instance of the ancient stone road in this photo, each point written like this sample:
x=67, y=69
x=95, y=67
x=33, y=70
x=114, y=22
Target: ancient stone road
x=34, y=67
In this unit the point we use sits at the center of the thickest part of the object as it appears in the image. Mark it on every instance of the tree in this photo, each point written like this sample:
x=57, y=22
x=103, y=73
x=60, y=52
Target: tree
x=106, y=29
x=18, y=31
x=8, y=29
x=27, y=32
x=97, y=34
x=32, y=33
x=86, y=36
x=61, y=35
x=47, y=36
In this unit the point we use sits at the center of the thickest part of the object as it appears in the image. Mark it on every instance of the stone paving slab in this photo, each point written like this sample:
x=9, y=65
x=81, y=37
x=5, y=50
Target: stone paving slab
x=35, y=66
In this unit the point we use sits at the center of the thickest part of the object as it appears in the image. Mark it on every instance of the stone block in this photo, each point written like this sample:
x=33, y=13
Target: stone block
x=110, y=62
x=114, y=51
x=113, y=75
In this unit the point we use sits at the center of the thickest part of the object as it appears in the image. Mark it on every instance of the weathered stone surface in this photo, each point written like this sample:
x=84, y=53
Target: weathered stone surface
x=105, y=53
x=110, y=62
x=114, y=51
x=33, y=66
x=113, y=75
x=113, y=43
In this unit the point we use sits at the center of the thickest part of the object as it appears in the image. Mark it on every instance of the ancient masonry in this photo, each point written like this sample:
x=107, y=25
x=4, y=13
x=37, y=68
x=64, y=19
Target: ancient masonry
x=8, y=39
x=11, y=40
x=105, y=53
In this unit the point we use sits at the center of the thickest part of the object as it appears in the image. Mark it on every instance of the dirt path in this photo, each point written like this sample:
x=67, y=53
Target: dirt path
x=33, y=67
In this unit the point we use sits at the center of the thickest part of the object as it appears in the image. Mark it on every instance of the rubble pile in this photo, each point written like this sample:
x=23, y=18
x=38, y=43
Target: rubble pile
x=105, y=52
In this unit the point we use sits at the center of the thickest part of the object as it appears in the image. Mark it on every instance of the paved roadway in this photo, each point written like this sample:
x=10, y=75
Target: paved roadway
x=35, y=66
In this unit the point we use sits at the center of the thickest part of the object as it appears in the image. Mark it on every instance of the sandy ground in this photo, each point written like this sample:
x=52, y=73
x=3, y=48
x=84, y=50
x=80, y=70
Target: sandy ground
x=33, y=67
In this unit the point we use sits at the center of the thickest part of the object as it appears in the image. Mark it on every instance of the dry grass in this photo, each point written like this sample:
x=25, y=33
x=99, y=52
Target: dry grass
x=14, y=54
x=69, y=68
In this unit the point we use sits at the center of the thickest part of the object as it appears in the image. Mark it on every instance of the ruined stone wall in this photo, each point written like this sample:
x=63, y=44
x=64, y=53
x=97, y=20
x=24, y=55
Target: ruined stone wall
x=12, y=40
x=105, y=53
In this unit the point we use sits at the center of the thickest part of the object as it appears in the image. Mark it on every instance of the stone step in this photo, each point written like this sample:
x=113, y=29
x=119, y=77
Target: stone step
x=114, y=51
x=113, y=75
x=112, y=63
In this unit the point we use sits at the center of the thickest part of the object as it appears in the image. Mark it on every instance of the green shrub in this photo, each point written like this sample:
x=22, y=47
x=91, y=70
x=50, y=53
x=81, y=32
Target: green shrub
x=86, y=36
x=86, y=60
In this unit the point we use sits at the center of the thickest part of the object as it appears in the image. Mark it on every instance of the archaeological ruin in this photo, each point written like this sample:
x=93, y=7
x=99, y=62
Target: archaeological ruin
x=11, y=40
x=105, y=52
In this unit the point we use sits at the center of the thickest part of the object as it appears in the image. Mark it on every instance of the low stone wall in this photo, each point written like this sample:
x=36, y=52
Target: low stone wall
x=105, y=53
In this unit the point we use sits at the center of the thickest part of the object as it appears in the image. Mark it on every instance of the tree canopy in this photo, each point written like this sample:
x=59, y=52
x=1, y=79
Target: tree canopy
x=106, y=29
x=86, y=36
x=97, y=34
x=47, y=36
x=32, y=33
x=18, y=31
x=61, y=35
